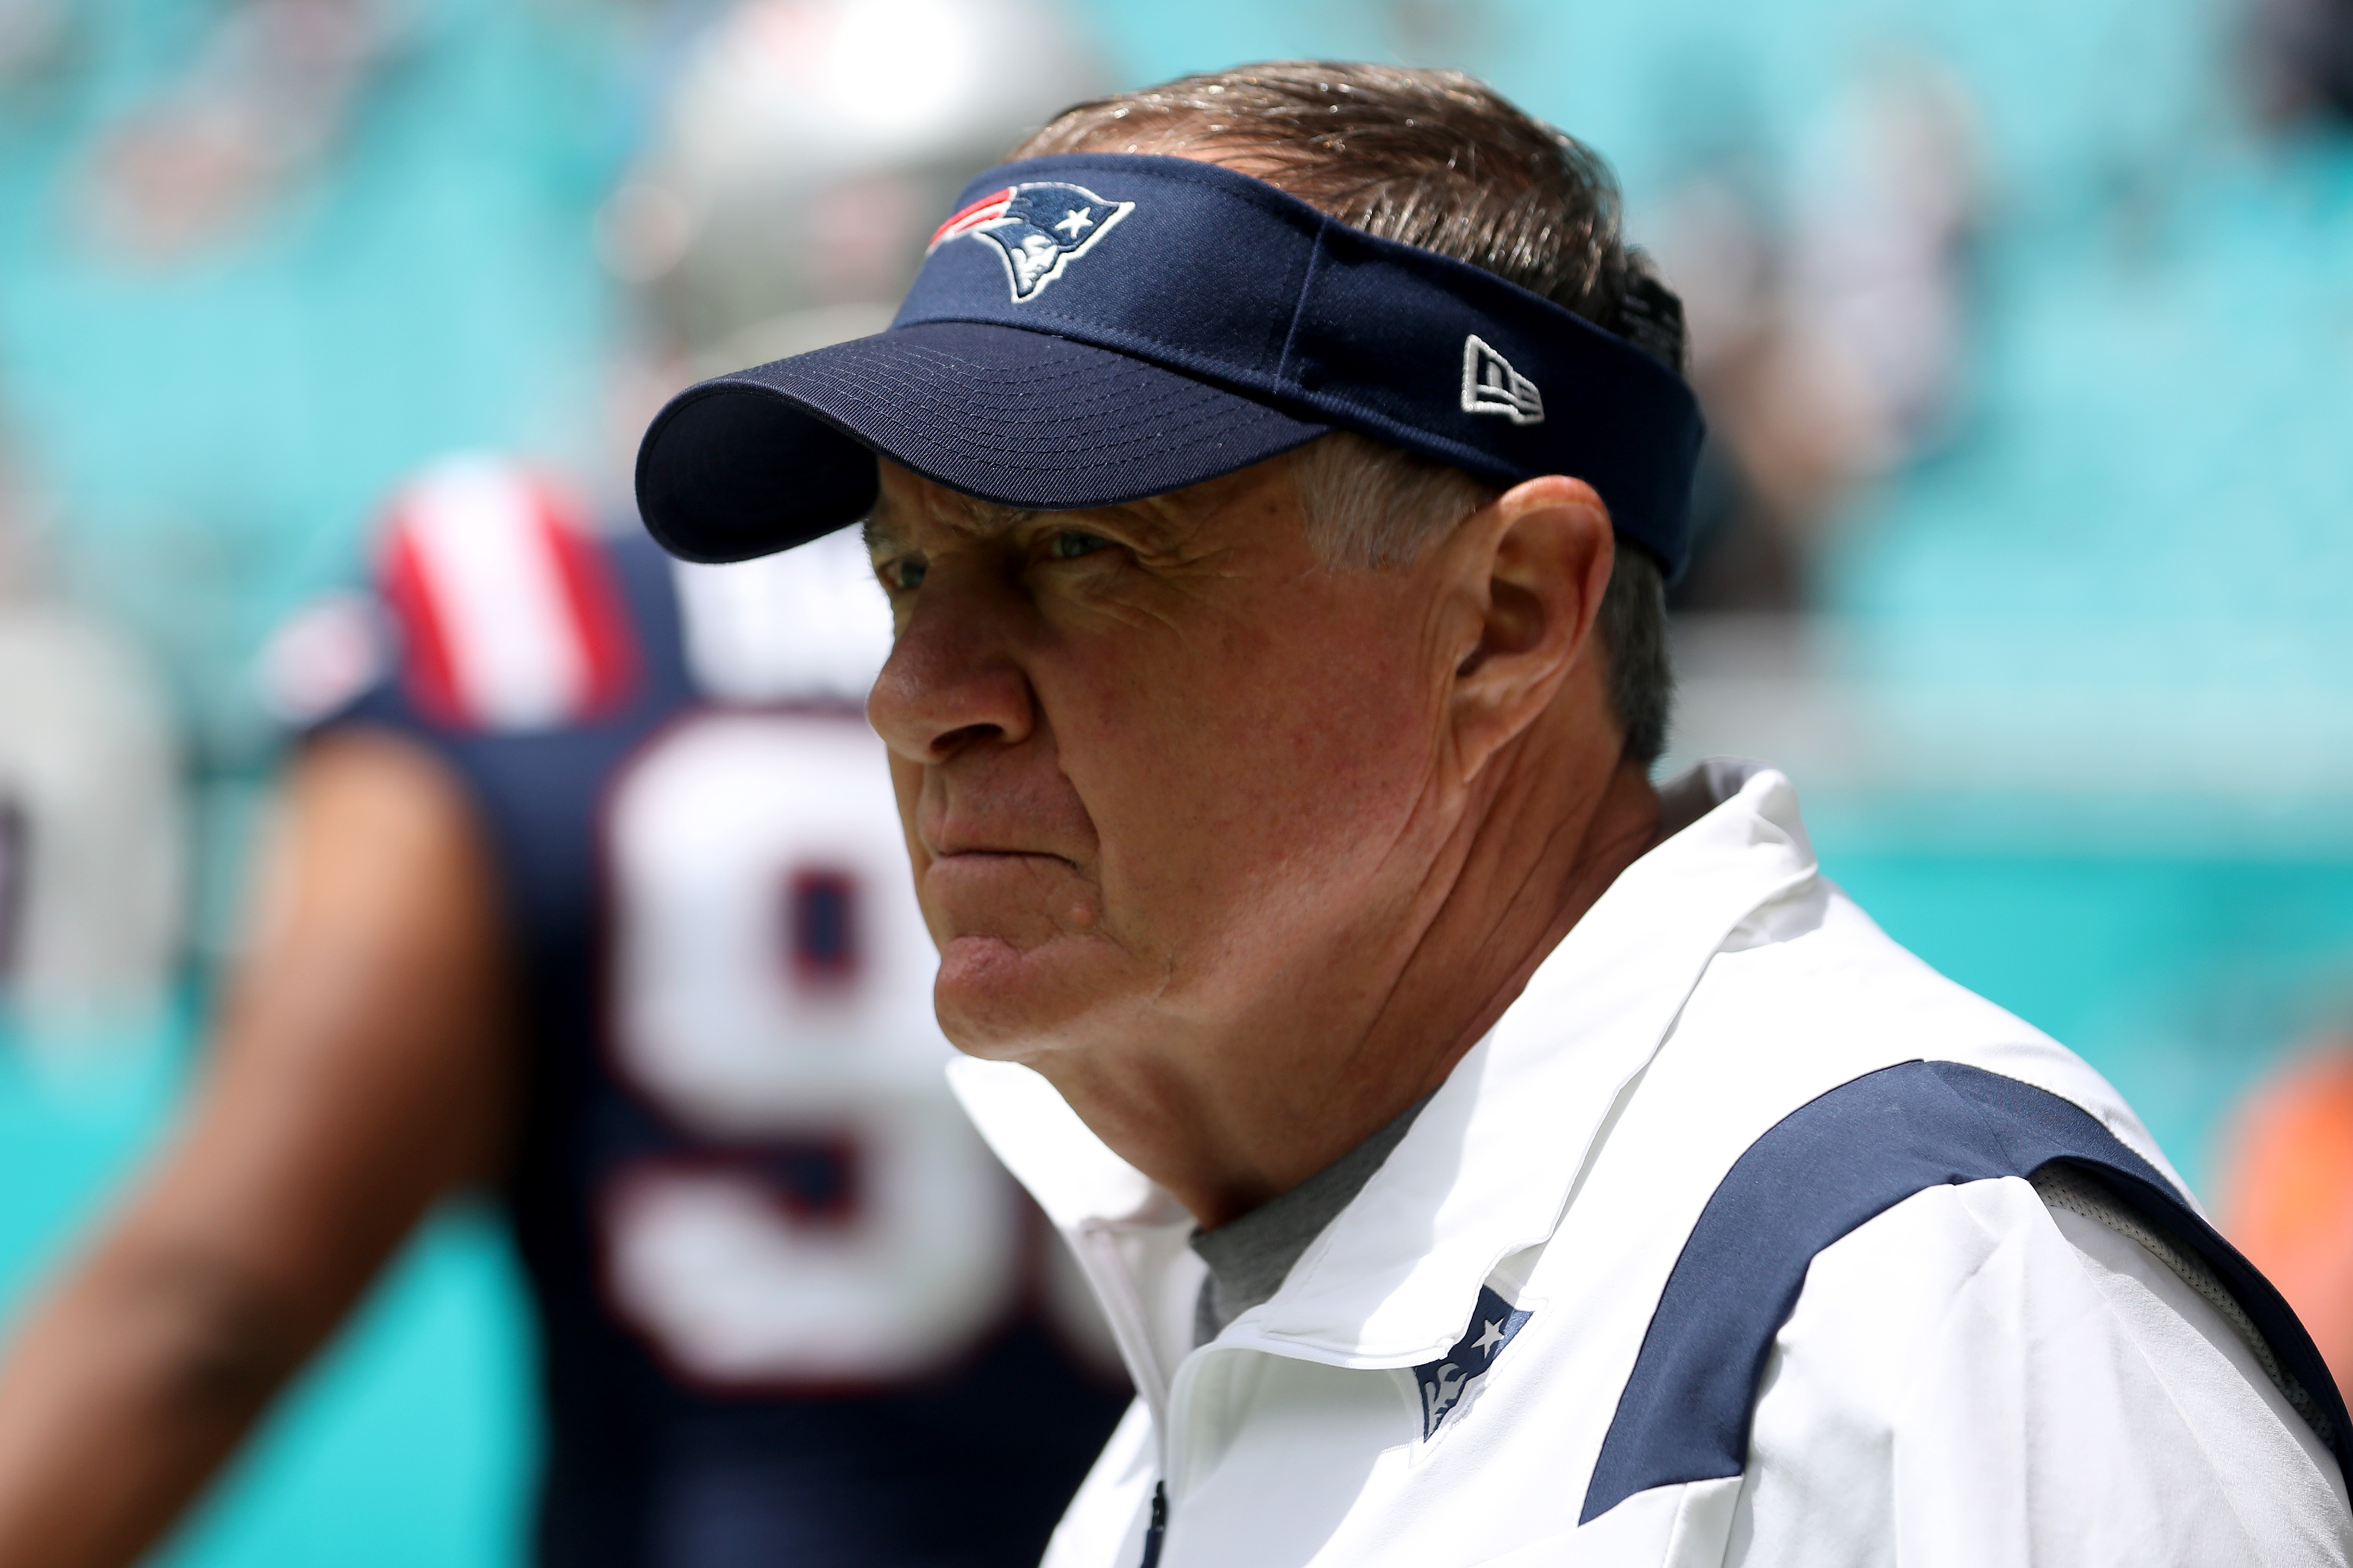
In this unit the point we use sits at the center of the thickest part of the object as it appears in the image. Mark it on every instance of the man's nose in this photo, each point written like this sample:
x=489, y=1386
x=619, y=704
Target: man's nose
x=952, y=680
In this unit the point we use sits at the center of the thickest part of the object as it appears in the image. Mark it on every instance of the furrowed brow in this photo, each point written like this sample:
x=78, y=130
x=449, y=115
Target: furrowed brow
x=983, y=518
x=989, y=518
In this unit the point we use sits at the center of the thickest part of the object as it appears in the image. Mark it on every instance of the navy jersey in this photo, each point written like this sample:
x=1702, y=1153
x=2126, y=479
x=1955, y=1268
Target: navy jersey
x=789, y=1306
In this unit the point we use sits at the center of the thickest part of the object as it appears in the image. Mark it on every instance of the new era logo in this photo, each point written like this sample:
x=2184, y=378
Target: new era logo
x=1489, y=385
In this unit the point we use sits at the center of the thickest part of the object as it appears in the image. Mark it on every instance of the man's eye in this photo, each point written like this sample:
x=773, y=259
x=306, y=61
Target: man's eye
x=1070, y=544
x=904, y=574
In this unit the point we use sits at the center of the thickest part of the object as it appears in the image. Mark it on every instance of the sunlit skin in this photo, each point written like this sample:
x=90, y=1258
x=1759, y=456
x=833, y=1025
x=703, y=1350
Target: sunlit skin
x=1244, y=851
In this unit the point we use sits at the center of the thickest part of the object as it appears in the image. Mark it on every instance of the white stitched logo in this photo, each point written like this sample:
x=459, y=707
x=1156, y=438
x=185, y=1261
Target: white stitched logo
x=1489, y=385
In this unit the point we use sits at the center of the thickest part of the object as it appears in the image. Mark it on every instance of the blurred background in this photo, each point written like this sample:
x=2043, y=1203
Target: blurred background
x=2026, y=332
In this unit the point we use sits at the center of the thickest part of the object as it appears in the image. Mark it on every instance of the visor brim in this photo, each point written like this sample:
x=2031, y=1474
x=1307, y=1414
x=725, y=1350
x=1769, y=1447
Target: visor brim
x=765, y=458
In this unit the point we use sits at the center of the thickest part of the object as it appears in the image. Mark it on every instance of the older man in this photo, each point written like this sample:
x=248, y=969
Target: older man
x=1485, y=1155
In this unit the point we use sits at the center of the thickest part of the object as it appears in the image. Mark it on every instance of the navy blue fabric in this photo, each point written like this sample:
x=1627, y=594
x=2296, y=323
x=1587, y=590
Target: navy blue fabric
x=641, y=1470
x=1827, y=1168
x=1012, y=417
x=1190, y=320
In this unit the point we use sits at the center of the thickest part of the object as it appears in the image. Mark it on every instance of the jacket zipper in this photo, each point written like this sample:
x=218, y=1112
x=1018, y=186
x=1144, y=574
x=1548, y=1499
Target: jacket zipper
x=1158, y=1528
x=1098, y=1253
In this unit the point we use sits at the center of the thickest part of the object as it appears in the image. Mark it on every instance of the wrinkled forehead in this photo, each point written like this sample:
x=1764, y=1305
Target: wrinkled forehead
x=906, y=504
x=908, y=507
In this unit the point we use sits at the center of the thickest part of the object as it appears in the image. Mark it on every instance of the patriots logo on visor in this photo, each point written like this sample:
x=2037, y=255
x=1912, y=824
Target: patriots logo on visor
x=1039, y=229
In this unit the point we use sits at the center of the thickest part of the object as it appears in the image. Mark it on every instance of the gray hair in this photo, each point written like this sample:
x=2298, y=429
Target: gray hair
x=1377, y=508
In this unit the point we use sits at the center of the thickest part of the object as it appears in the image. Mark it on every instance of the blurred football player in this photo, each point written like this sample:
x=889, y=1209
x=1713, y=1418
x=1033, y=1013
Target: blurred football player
x=596, y=893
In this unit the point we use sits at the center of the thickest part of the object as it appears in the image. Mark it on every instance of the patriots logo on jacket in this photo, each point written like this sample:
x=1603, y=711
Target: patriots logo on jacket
x=1039, y=229
x=1447, y=1382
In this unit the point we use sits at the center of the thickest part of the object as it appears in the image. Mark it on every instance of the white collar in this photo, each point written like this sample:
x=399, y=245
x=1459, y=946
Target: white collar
x=1488, y=1166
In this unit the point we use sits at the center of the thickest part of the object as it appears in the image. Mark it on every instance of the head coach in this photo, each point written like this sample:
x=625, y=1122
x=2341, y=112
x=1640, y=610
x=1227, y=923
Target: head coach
x=1484, y=1156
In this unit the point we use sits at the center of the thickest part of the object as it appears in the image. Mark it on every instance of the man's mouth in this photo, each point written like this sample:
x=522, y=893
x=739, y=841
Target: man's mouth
x=994, y=862
x=1021, y=897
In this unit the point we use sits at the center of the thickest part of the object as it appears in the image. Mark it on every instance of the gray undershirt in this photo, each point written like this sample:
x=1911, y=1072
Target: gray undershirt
x=1249, y=1257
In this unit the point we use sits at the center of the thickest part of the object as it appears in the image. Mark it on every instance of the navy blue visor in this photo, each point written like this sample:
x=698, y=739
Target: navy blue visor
x=1095, y=328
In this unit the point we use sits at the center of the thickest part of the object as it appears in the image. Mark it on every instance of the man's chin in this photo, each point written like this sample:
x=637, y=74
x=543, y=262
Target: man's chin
x=1004, y=1003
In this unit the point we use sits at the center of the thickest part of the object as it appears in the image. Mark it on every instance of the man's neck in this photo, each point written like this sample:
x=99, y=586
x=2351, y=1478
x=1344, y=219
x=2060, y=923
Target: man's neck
x=1337, y=1055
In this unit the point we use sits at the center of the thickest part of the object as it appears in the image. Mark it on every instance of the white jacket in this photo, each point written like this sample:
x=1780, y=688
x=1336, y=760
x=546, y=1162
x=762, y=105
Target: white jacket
x=1975, y=1377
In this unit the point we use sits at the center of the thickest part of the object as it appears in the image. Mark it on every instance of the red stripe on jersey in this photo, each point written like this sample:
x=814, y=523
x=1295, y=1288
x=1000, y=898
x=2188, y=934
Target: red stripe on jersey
x=512, y=616
x=598, y=615
x=426, y=674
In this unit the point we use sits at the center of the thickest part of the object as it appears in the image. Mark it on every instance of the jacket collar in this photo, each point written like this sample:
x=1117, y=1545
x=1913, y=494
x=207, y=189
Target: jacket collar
x=1488, y=1167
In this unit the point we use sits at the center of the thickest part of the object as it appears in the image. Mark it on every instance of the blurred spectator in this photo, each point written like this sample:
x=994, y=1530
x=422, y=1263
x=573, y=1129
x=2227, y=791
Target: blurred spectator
x=92, y=859
x=2287, y=1193
x=260, y=106
x=800, y=153
x=34, y=38
x=2303, y=58
x=1826, y=321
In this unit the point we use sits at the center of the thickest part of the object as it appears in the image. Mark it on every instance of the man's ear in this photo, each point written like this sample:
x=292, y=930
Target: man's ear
x=1531, y=567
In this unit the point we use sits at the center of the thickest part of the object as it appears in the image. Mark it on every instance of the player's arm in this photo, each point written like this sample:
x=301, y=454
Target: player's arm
x=363, y=1065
